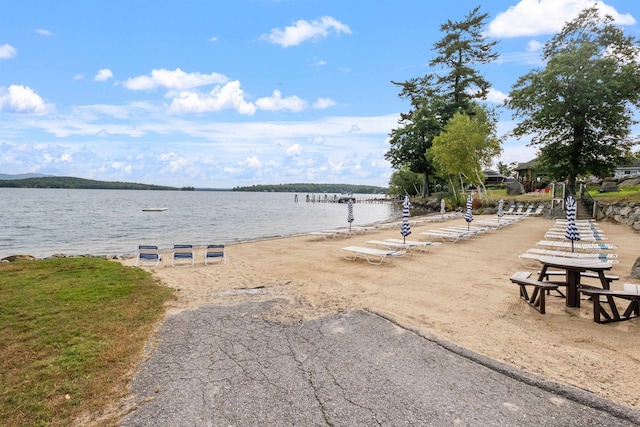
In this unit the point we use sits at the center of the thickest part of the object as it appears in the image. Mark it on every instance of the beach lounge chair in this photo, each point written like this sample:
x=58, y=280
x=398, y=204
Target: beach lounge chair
x=182, y=253
x=148, y=254
x=529, y=211
x=537, y=212
x=399, y=246
x=511, y=210
x=413, y=244
x=371, y=255
x=585, y=247
x=588, y=255
x=323, y=235
x=468, y=229
x=446, y=236
x=531, y=259
x=215, y=253
x=583, y=236
x=517, y=212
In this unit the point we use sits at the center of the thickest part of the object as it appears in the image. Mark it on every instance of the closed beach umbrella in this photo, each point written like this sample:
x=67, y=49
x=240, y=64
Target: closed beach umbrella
x=572, y=232
x=500, y=209
x=443, y=208
x=405, y=230
x=350, y=217
x=468, y=216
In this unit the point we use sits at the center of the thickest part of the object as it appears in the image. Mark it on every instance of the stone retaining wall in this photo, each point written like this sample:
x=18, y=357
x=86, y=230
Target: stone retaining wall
x=627, y=213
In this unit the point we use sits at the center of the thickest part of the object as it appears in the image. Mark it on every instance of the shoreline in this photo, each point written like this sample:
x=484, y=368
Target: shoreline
x=458, y=292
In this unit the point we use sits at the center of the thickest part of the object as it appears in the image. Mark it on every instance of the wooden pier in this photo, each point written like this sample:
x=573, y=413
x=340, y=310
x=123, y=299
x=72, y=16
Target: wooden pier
x=335, y=198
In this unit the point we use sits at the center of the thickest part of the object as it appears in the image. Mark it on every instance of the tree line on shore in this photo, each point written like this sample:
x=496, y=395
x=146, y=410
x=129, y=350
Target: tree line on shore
x=315, y=188
x=77, y=183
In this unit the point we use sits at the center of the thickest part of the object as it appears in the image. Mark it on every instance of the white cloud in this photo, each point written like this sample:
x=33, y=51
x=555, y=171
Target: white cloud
x=7, y=51
x=103, y=75
x=121, y=166
x=227, y=97
x=277, y=103
x=536, y=17
x=294, y=150
x=21, y=99
x=176, y=79
x=252, y=162
x=534, y=46
x=324, y=103
x=43, y=32
x=302, y=31
x=78, y=77
x=496, y=96
x=530, y=58
x=174, y=162
x=213, y=39
x=319, y=63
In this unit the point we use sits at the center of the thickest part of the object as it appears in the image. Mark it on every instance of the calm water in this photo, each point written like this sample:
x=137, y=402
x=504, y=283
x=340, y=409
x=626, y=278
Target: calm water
x=43, y=222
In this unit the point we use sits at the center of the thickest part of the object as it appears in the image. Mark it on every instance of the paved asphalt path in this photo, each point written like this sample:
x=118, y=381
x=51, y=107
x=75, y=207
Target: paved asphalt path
x=233, y=366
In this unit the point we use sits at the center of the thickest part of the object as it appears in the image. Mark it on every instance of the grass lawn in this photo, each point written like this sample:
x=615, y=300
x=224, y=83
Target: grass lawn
x=71, y=333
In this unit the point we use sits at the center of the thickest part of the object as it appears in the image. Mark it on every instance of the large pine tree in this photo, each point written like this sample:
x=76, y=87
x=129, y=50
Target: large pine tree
x=435, y=98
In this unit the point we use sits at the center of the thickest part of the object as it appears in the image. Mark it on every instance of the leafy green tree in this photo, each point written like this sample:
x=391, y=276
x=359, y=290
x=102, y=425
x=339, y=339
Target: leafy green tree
x=466, y=146
x=413, y=138
x=506, y=169
x=436, y=97
x=578, y=109
x=404, y=181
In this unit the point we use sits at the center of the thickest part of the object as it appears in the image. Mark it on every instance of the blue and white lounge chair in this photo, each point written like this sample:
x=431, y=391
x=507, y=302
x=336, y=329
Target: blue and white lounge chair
x=215, y=253
x=182, y=253
x=148, y=254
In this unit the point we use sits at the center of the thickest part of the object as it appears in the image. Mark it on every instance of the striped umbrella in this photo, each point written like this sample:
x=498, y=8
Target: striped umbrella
x=350, y=217
x=405, y=230
x=572, y=232
x=443, y=208
x=500, y=209
x=468, y=216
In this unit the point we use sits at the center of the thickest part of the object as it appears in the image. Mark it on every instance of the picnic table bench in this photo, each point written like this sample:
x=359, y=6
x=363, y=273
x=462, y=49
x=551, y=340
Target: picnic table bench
x=600, y=309
x=537, y=297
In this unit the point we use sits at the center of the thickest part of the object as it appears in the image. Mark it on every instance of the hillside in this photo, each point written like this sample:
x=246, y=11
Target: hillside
x=79, y=183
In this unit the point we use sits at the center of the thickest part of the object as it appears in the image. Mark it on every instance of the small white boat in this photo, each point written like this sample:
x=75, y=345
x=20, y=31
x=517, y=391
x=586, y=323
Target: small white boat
x=154, y=209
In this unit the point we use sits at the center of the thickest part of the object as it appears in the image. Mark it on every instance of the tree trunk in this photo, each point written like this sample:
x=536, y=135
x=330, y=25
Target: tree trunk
x=571, y=184
x=425, y=188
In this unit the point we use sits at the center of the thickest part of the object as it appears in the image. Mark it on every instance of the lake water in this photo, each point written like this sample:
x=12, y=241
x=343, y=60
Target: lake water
x=43, y=222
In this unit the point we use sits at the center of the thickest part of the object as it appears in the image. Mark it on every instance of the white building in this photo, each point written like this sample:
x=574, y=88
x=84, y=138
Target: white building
x=627, y=171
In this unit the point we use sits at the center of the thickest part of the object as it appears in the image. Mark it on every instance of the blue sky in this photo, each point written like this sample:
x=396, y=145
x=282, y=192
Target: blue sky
x=228, y=93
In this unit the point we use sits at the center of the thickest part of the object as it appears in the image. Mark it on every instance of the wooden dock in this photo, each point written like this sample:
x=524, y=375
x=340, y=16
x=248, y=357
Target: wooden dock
x=327, y=198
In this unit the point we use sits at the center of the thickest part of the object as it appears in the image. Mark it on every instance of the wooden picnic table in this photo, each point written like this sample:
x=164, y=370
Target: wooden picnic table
x=573, y=268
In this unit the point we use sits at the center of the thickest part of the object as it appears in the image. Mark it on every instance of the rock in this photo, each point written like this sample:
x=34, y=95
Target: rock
x=609, y=186
x=635, y=270
x=58, y=256
x=625, y=211
x=14, y=258
x=632, y=181
x=514, y=189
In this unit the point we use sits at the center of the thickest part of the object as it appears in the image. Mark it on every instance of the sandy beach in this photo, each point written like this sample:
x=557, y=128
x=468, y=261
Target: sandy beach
x=458, y=292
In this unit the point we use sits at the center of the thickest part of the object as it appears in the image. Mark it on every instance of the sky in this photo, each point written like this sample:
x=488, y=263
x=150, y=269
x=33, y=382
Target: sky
x=219, y=94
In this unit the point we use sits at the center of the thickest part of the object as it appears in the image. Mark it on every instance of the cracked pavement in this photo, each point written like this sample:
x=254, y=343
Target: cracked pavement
x=240, y=366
